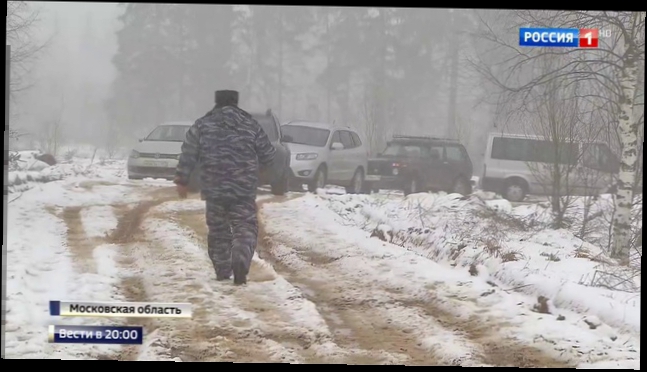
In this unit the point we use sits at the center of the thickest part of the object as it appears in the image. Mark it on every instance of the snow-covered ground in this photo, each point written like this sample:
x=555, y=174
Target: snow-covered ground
x=365, y=279
x=26, y=171
x=500, y=243
x=468, y=241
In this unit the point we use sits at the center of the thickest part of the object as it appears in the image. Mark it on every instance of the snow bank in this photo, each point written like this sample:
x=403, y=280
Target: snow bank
x=508, y=245
x=380, y=271
x=28, y=172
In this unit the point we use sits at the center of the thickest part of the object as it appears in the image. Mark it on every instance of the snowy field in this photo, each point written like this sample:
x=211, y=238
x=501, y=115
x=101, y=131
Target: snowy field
x=363, y=279
x=508, y=246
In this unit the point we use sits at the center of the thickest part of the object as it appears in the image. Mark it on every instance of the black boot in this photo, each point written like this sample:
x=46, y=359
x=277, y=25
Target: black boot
x=222, y=278
x=222, y=275
x=240, y=274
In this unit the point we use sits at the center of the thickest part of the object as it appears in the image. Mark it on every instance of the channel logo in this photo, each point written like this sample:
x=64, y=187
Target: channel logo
x=559, y=37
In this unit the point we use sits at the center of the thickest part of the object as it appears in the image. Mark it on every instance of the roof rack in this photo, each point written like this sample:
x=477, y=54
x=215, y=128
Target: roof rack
x=402, y=136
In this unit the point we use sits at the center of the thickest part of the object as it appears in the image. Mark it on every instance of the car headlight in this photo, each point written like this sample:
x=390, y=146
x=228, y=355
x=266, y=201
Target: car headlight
x=178, y=156
x=309, y=156
x=395, y=171
x=134, y=154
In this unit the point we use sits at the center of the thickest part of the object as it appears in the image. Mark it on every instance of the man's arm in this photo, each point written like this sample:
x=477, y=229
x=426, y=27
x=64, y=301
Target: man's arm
x=189, y=157
x=264, y=149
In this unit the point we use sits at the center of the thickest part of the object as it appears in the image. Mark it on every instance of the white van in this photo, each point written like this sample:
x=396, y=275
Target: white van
x=518, y=165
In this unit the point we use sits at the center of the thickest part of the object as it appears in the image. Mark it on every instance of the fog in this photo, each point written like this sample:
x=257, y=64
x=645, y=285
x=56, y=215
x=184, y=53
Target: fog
x=70, y=79
x=110, y=72
x=244, y=48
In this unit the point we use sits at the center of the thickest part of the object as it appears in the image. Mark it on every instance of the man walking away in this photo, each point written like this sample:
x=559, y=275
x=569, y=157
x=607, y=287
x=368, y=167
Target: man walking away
x=231, y=148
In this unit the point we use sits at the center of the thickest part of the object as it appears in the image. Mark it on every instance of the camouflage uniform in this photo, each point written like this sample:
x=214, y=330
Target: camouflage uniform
x=230, y=147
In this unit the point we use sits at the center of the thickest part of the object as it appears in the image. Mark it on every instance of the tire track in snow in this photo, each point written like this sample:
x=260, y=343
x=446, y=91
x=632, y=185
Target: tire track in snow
x=356, y=319
x=165, y=273
x=127, y=235
x=80, y=245
x=477, y=333
x=275, y=324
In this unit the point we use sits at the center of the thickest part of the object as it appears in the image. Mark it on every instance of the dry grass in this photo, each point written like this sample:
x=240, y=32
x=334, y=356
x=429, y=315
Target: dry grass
x=541, y=306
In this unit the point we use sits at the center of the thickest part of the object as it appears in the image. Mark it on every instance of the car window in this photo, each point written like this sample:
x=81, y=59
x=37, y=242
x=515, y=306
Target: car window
x=532, y=150
x=169, y=133
x=406, y=150
x=597, y=156
x=356, y=139
x=303, y=135
x=336, y=137
x=435, y=152
x=347, y=139
x=454, y=154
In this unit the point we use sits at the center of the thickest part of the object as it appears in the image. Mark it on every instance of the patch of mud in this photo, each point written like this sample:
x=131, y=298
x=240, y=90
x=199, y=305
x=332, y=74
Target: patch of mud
x=127, y=233
x=78, y=242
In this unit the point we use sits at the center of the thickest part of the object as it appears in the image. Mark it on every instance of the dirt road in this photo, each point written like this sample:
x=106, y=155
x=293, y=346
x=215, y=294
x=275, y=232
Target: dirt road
x=298, y=307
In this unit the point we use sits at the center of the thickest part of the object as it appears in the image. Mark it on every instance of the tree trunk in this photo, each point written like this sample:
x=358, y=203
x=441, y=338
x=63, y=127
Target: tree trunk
x=328, y=69
x=280, y=67
x=629, y=156
x=453, y=79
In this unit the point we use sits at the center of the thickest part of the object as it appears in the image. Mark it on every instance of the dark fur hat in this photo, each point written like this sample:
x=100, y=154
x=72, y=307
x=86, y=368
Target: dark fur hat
x=226, y=98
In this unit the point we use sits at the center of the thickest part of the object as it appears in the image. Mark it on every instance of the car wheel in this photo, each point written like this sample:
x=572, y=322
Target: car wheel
x=412, y=187
x=318, y=181
x=462, y=186
x=357, y=183
x=281, y=186
x=515, y=190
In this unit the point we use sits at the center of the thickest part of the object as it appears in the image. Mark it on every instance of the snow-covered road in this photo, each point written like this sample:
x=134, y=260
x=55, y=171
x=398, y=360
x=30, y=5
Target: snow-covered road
x=321, y=289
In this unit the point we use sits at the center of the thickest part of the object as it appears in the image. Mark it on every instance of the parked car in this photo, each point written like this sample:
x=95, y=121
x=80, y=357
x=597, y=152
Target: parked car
x=518, y=165
x=418, y=163
x=157, y=155
x=326, y=154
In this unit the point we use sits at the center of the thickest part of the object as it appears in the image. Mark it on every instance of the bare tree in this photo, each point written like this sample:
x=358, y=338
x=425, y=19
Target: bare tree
x=51, y=138
x=370, y=112
x=463, y=129
x=608, y=76
x=22, y=21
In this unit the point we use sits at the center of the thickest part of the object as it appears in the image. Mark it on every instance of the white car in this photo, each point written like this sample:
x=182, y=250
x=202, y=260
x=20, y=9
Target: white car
x=157, y=155
x=325, y=154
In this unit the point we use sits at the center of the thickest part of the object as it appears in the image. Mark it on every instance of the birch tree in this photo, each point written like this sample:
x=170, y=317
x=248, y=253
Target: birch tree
x=608, y=77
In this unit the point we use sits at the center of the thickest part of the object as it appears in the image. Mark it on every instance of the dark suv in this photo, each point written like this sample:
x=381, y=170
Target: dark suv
x=416, y=164
x=279, y=175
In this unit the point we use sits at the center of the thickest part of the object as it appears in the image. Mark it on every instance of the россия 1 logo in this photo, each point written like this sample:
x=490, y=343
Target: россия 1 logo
x=559, y=37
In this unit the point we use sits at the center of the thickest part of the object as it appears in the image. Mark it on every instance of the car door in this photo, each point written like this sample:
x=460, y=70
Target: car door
x=455, y=163
x=360, y=153
x=437, y=167
x=335, y=159
x=349, y=155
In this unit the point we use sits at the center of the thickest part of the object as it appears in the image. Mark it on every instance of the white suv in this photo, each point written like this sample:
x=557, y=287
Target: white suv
x=325, y=154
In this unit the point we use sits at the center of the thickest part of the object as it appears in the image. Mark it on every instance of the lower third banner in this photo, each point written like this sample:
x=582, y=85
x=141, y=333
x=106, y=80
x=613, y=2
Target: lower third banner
x=73, y=334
